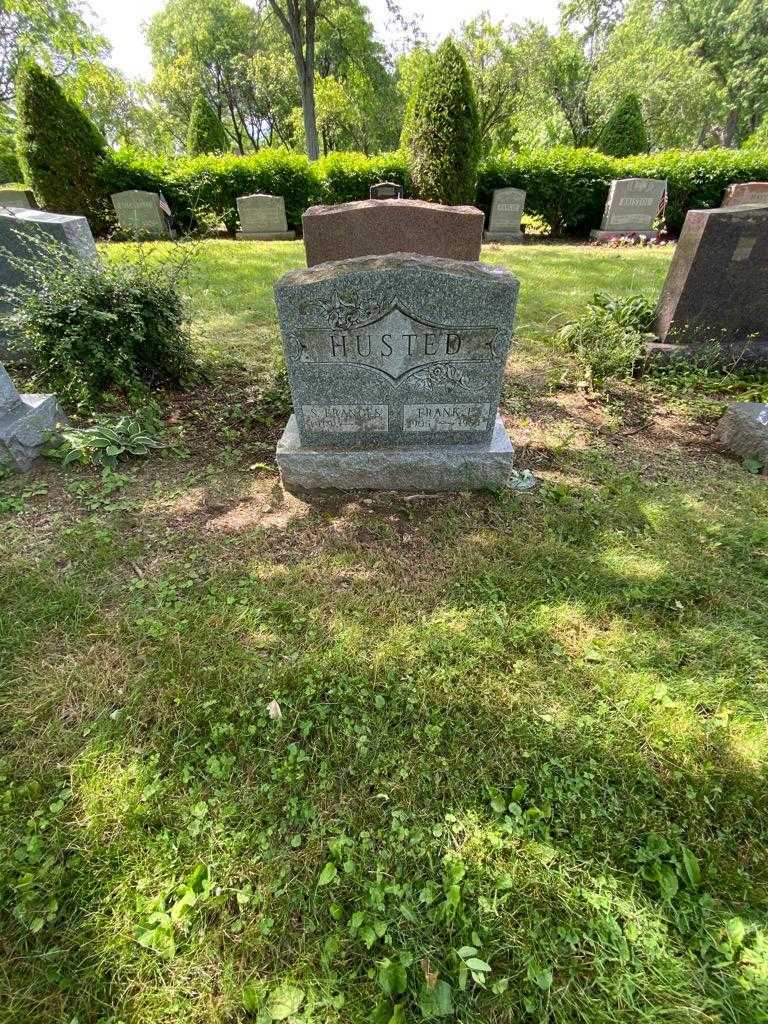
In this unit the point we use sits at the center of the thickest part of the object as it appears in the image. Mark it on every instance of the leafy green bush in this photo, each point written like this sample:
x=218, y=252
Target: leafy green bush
x=88, y=328
x=344, y=177
x=104, y=443
x=624, y=132
x=205, y=133
x=59, y=149
x=608, y=336
x=441, y=131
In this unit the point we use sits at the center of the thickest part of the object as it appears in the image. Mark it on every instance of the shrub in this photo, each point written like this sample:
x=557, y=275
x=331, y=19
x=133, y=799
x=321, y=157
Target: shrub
x=344, y=177
x=91, y=328
x=441, y=132
x=624, y=132
x=59, y=149
x=608, y=336
x=205, y=133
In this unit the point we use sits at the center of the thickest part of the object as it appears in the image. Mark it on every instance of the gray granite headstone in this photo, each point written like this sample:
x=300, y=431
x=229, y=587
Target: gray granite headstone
x=19, y=228
x=715, y=301
x=18, y=197
x=142, y=214
x=506, y=212
x=747, y=193
x=632, y=208
x=395, y=365
x=386, y=190
x=262, y=218
x=26, y=421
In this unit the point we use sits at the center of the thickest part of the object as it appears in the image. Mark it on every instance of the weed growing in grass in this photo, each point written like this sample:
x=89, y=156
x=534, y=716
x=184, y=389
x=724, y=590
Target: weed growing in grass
x=607, y=338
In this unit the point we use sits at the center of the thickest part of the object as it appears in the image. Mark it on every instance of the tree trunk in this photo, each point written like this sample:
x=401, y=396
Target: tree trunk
x=729, y=132
x=302, y=36
x=310, y=120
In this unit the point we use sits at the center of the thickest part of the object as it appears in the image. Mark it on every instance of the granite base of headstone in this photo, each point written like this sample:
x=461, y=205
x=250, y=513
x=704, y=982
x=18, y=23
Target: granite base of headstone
x=21, y=231
x=143, y=215
x=632, y=208
x=386, y=190
x=395, y=365
x=26, y=424
x=18, y=198
x=370, y=228
x=743, y=430
x=748, y=193
x=262, y=219
x=506, y=212
x=714, y=303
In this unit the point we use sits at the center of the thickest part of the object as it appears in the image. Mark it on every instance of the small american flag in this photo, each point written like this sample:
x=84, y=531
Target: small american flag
x=164, y=205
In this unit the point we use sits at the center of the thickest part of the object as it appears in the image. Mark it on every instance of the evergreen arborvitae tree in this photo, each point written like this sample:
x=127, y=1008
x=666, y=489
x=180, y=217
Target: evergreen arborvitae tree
x=441, y=132
x=624, y=132
x=58, y=147
x=205, y=133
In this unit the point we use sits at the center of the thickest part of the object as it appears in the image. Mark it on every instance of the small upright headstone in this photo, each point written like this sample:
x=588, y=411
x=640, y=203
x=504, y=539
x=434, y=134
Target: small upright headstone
x=386, y=190
x=633, y=207
x=21, y=198
x=395, y=366
x=262, y=218
x=18, y=230
x=747, y=193
x=715, y=299
x=506, y=212
x=143, y=214
x=25, y=423
x=370, y=227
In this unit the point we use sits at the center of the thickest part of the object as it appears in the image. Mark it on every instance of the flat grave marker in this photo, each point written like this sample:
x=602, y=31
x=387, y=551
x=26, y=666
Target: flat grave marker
x=262, y=218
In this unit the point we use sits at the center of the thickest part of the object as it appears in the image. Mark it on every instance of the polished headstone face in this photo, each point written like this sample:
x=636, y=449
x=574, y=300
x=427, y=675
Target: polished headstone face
x=506, y=210
x=715, y=292
x=18, y=197
x=747, y=193
x=371, y=227
x=140, y=215
x=262, y=214
x=633, y=204
x=386, y=190
x=397, y=350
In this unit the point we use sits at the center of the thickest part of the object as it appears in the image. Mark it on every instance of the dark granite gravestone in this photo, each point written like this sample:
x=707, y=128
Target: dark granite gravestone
x=23, y=198
x=262, y=218
x=386, y=190
x=506, y=211
x=395, y=365
x=747, y=193
x=715, y=297
x=18, y=230
x=371, y=227
x=632, y=208
x=143, y=214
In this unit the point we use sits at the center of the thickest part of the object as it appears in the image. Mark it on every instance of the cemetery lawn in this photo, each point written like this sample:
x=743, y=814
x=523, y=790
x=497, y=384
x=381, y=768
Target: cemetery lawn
x=518, y=770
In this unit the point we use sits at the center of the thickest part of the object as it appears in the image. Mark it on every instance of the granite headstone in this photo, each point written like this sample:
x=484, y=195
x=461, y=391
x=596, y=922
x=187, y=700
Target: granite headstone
x=715, y=298
x=747, y=193
x=26, y=421
x=743, y=430
x=386, y=190
x=371, y=228
x=633, y=207
x=143, y=214
x=395, y=366
x=23, y=198
x=507, y=209
x=262, y=218
x=19, y=229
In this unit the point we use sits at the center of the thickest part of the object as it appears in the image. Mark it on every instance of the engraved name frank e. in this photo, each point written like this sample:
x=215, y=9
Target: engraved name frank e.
x=395, y=344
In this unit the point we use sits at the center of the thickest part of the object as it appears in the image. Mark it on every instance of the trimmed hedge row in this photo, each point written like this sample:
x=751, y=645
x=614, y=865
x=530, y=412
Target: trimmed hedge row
x=566, y=187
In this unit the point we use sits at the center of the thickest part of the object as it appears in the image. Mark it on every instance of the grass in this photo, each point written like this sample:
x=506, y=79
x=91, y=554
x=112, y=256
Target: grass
x=518, y=770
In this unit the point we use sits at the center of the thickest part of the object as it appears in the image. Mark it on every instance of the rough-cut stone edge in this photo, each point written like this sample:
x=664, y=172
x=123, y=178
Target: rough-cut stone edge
x=461, y=467
x=23, y=431
x=266, y=236
x=388, y=261
x=740, y=431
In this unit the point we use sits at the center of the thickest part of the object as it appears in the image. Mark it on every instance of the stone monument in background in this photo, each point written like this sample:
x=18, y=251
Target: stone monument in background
x=25, y=423
x=633, y=207
x=395, y=365
x=21, y=198
x=714, y=303
x=370, y=227
x=506, y=212
x=747, y=193
x=19, y=230
x=143, y=214
x=386, y=190
x=262, y=218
